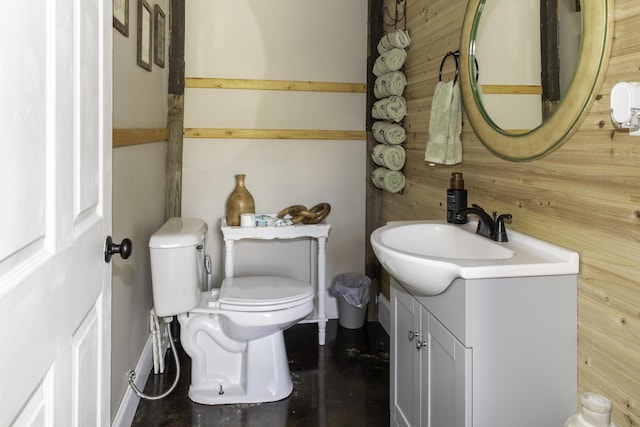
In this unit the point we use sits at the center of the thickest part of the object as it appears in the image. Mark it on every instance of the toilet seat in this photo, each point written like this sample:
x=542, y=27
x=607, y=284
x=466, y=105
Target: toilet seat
x=262, y=293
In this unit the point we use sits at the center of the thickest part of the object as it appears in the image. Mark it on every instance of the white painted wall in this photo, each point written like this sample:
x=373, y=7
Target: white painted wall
x=139, y=101
x=279, y=40
x=516, y=62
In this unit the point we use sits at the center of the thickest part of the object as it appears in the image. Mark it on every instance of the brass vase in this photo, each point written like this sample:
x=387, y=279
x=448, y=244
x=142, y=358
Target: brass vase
x=239, y=201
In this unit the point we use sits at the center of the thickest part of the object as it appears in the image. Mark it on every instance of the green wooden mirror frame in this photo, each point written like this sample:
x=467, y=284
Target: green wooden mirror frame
x=597, y=34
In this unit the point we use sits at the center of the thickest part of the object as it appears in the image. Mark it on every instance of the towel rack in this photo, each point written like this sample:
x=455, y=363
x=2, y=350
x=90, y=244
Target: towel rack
x=455, y=55
x=395, y=19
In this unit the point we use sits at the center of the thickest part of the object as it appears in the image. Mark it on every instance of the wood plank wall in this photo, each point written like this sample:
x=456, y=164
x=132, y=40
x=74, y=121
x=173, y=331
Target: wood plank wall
x=584, y=196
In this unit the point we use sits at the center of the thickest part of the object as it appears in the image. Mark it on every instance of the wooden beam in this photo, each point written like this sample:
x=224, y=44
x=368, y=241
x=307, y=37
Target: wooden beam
x=373, y=208
x=511, y=90
x=175, y=113
x=283, y=85
x=550, y=56
x=337, y=135
x=125, y=137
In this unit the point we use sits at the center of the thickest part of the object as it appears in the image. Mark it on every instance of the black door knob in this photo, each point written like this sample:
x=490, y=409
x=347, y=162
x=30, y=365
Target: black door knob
x=124, y=249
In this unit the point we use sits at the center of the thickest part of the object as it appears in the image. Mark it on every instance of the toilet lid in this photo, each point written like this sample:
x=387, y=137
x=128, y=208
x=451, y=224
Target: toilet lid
x=263, y=291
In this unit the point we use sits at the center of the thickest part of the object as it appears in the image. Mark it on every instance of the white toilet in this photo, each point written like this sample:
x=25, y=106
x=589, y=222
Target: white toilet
x=232, y=334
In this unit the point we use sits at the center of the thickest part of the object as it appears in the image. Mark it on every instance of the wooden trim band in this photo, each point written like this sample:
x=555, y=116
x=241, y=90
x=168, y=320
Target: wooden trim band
x=125, y=137
x=511, y=90
x=337, y=135
x=284, y=85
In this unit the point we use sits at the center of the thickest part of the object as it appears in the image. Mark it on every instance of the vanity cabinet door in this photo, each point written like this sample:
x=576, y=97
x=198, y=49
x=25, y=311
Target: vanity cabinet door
x=405, y=369
x=447, y=379
x=430, y=369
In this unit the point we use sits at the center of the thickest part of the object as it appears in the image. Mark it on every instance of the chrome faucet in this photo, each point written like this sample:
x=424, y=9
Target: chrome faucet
x=491, y=228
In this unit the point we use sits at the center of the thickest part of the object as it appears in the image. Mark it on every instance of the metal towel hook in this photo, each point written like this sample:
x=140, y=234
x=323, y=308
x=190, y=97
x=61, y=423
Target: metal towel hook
x=456, y=55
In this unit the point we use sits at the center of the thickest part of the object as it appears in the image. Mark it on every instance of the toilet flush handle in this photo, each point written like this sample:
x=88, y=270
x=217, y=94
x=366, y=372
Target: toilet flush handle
x=124, y=249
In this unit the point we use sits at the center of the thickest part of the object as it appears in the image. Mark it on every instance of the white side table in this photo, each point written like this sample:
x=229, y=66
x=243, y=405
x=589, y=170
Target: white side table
x=318, y=258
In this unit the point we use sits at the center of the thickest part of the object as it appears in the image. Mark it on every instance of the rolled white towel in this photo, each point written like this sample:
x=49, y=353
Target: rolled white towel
x=391, y=60
x=390, y=156
x=392, y=83
x=399, y=39
x=388, y=133
x=385, y=179
x=391, y=108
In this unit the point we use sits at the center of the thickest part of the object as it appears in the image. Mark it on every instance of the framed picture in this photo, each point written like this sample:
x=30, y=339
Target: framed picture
x=144, y=34
x=158, y=40
x=121, y=16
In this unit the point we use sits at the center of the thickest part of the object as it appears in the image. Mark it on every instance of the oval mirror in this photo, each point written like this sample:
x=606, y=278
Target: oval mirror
x=531, y=116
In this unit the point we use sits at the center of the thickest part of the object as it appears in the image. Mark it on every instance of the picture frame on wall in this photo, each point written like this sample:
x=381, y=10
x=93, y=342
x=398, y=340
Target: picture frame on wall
x=121, y=16
x=145, y=33
x=159, y=25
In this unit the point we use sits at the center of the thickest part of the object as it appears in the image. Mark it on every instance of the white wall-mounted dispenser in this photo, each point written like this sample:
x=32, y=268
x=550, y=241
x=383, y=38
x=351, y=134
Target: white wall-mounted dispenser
x=625, y=107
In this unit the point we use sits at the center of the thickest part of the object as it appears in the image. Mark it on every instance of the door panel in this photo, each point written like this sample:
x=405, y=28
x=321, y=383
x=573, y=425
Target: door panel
x=87, y=111
x=86, y=379
x=448, y=368
x=24, y=122
x=405, y=377
x=35, y=413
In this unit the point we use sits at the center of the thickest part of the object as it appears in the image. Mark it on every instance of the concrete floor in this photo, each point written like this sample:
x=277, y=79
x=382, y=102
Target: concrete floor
x=345, y=383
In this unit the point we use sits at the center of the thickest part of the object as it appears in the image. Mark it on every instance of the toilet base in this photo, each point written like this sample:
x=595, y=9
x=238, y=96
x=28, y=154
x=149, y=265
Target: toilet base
x=235, y=394
x=261, y=376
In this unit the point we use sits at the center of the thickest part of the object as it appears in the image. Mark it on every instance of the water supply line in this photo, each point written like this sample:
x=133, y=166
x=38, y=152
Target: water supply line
x=132, y=373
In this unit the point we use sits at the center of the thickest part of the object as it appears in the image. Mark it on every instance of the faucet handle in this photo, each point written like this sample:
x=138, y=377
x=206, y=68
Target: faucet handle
x=500, y=231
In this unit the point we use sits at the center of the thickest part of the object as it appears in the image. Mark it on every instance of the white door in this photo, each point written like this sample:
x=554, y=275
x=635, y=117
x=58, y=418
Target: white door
x=55, y=212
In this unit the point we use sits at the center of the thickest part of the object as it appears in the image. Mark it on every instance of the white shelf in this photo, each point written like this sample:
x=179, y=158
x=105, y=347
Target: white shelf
x=314, y=231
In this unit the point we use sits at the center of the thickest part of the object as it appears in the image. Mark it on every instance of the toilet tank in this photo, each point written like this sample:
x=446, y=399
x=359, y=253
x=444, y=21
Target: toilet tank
x=177, y=265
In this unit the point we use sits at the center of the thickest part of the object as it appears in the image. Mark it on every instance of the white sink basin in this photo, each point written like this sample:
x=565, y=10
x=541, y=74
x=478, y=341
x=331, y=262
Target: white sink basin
x=426, y=256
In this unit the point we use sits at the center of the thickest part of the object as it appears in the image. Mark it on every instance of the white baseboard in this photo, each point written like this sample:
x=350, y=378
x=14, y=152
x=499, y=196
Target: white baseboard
x=384, y=313
x=129, y=403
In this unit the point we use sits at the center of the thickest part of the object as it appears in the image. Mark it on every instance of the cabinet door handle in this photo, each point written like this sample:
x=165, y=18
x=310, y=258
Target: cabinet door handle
x=413, y=334
x=420, y=344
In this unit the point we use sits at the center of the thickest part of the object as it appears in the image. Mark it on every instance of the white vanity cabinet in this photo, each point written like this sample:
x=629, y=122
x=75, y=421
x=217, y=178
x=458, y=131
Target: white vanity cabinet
x=485, y=353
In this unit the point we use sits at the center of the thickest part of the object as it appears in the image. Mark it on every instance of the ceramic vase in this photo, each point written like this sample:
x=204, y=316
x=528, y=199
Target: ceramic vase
x=239, y=201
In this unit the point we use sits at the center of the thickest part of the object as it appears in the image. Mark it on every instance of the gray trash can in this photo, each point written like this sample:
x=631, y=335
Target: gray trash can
x=352, y=293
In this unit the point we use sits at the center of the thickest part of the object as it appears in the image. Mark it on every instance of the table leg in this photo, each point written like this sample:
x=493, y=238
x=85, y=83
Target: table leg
x=228, y=259
x=322, y=290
